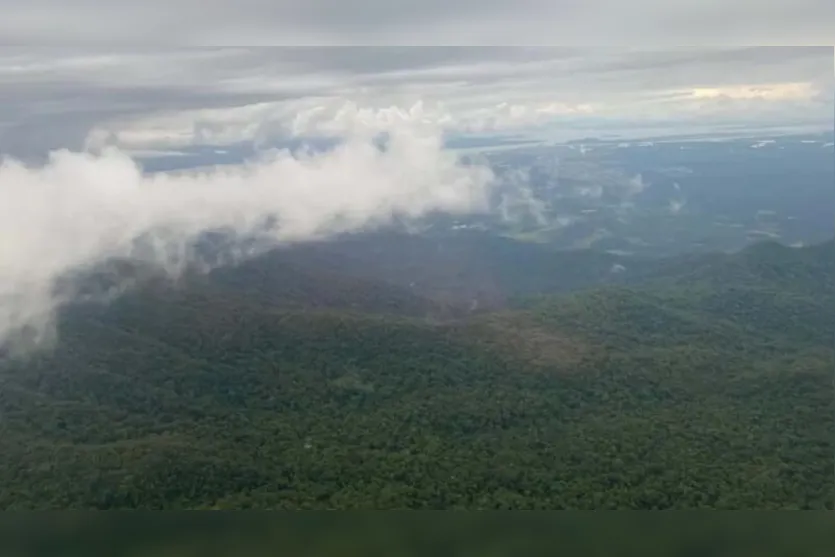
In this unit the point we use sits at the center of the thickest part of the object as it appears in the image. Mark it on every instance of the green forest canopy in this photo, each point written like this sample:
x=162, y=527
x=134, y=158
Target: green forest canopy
x=702, y=383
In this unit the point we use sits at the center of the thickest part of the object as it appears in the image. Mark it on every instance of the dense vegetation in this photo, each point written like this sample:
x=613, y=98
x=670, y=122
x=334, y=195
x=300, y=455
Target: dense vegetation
x=702, y=383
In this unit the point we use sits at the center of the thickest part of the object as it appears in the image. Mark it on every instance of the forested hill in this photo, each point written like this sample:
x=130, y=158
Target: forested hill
x=700, y=382
x=452, y=271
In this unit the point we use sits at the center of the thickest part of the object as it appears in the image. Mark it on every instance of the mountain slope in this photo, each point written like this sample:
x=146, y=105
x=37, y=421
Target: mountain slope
x=658, y=394
x=454, y=269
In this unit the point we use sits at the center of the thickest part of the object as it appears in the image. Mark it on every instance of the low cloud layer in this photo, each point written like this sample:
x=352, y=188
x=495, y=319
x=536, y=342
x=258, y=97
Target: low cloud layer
x=79, y=209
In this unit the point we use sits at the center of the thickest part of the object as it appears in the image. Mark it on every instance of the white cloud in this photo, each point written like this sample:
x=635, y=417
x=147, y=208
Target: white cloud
x=79, y=209
x=766, y=91
x=676, y=205
x=317, y=117
x=635, y=185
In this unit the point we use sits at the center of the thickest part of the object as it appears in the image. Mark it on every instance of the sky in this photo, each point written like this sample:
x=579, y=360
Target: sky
x=430, y=22
x=76, y=121
x=142, y=99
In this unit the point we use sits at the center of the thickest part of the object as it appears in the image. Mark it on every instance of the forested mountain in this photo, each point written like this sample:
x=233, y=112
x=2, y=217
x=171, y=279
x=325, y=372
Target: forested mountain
x=449, y=269
x=360, y=374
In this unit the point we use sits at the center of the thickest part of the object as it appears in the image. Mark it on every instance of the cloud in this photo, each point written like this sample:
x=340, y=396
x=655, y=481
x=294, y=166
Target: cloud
x=167, y=98
x=775, y=91
x=634, y=186
x=676, y=205
x=379, y=22
x=79, y=209
x=517, y=202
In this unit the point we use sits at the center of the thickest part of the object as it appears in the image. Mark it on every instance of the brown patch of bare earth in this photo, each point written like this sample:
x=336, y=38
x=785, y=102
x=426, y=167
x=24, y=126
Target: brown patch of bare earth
x=534, y=346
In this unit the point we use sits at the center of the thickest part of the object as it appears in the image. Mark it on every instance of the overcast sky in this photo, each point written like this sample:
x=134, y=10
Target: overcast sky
x=166, y=98
x=429, y=22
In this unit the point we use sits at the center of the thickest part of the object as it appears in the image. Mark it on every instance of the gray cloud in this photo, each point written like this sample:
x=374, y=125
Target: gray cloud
x=588, y=22
x=53, y=97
